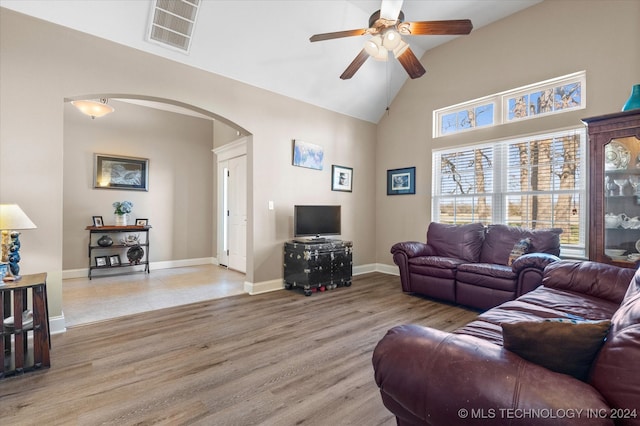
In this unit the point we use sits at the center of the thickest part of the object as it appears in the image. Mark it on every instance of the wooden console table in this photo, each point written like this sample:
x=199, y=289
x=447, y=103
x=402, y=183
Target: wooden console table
x=21, y=356
x=115, y=249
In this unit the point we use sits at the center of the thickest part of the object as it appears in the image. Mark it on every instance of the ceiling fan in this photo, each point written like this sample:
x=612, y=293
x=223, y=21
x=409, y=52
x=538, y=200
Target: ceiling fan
x=387, y=27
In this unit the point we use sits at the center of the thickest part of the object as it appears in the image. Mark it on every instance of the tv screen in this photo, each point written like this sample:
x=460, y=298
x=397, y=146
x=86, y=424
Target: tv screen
x=314, y=221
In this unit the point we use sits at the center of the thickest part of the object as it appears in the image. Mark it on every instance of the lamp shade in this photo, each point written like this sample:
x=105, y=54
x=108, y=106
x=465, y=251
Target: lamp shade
x=12, y=218
x=92, y=108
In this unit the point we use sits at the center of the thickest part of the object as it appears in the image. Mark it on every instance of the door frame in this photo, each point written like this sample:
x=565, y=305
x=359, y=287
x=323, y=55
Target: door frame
x=223, y=154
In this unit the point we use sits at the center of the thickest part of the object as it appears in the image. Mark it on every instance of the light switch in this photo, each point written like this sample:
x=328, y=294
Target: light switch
x=270, y=205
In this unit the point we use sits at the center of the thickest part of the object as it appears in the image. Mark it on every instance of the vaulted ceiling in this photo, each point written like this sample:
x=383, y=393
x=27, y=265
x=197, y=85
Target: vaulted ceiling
x=265, y=43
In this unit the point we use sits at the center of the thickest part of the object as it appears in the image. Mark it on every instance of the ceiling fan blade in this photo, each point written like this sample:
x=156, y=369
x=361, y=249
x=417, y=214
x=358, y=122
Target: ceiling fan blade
x=390, y=9
x=452, y=27
x=355, y=65
x=411, y=64
x=337, y=34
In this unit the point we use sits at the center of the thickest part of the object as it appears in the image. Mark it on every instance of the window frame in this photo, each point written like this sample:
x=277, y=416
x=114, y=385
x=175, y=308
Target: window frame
x=499, y=193
x=500, y=106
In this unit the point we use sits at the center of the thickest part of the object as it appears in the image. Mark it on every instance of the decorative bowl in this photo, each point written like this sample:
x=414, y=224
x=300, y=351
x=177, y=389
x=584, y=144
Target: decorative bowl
x=614, y=252
x=105, y=241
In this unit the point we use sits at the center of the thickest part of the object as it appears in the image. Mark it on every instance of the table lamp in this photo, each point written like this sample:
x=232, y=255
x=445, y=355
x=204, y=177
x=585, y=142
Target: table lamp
x=12, y=219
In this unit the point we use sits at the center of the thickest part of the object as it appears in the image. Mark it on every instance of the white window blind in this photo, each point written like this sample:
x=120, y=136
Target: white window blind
x=534, y=182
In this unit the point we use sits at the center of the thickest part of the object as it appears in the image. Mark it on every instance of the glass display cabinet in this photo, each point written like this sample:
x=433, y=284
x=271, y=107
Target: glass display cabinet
x=614, y=178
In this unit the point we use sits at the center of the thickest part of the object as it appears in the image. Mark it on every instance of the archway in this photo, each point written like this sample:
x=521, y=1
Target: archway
x=176, y=216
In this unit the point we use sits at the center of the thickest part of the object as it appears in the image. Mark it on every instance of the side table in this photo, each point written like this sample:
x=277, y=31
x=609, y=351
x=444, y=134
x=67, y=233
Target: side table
x=21, y=356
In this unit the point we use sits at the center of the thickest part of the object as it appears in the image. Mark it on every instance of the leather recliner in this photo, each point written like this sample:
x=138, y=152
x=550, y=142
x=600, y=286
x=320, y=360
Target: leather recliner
x=469, y=264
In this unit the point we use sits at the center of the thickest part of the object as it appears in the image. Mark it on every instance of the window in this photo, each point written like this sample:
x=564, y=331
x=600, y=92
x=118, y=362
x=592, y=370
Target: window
x=554, y=96
x=534, y=182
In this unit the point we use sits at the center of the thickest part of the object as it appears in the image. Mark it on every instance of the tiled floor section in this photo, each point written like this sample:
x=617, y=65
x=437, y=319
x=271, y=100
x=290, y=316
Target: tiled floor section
x=85, y=301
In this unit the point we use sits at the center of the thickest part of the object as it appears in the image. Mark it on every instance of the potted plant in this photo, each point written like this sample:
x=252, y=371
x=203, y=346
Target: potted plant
x=121, y=213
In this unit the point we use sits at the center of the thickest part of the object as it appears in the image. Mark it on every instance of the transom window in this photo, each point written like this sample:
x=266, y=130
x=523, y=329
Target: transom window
x=554, y=96
x=534, y=182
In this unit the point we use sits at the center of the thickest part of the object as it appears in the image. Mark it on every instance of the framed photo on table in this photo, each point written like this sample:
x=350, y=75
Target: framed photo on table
x=401, y=181
x=102, y=261
x=142, y=222
x=97, y=221
x=341, y=178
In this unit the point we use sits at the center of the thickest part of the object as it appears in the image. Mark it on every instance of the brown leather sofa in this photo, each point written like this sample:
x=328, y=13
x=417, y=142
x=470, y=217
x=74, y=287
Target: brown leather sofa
x=430, y=377
x=469, y=264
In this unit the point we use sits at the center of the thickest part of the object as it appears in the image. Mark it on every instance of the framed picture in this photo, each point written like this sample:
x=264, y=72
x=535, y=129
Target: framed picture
x=142, y=222
x=114, y=260
x=307, y=155
x=102, y=261
x=341, y=178
x=111, y=172
x=97, y=221
x=401, y=181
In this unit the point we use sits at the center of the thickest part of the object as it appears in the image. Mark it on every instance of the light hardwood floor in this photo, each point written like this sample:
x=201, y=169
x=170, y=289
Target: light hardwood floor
x=85, y=301
x=278, y=358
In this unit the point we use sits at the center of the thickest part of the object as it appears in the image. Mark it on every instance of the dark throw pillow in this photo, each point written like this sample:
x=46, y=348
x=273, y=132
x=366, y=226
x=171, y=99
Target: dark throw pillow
x=562, y=345
x=519, y=248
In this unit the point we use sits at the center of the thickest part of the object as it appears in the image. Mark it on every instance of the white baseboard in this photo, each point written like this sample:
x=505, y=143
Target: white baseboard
x=364, y=269
x=263, y=287
x=84, y=272
x=387, y=269
x=57, y=324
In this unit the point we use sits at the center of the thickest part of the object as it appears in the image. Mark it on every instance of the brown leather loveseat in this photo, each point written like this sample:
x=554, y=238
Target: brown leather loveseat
x=566, y=353
x=470, y=264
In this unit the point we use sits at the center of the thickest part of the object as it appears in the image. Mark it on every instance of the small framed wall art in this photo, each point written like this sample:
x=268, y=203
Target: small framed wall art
x=341, y=178
x=401, y=181
x=307, y=155
x=111, y=172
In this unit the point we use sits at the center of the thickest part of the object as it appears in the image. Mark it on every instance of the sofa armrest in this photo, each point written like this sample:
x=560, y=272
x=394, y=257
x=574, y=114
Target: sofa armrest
x=435, y=378
x=404, y=251
x=530, y=270
x=413, y=249
x=533, y=260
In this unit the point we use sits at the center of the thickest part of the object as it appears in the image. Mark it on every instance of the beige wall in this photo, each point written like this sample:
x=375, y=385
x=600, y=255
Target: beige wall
x=42, y=64
x=179, y=203
x=551, y=39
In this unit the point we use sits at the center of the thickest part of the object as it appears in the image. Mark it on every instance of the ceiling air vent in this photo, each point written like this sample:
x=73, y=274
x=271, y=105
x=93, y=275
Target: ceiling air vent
x=172, y=22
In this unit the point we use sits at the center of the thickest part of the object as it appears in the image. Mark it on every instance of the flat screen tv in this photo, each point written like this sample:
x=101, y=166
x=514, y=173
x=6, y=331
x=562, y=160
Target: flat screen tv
x=316, y=221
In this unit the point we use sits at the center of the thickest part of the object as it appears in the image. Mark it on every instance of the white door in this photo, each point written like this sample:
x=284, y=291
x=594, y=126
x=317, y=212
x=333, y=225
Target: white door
x=237, y=213
x=223, y=208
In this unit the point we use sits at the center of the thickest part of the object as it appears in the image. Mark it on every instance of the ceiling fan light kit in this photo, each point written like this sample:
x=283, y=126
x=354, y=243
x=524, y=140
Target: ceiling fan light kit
x=375, y=48
x=387, y=30
x=390, y=39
